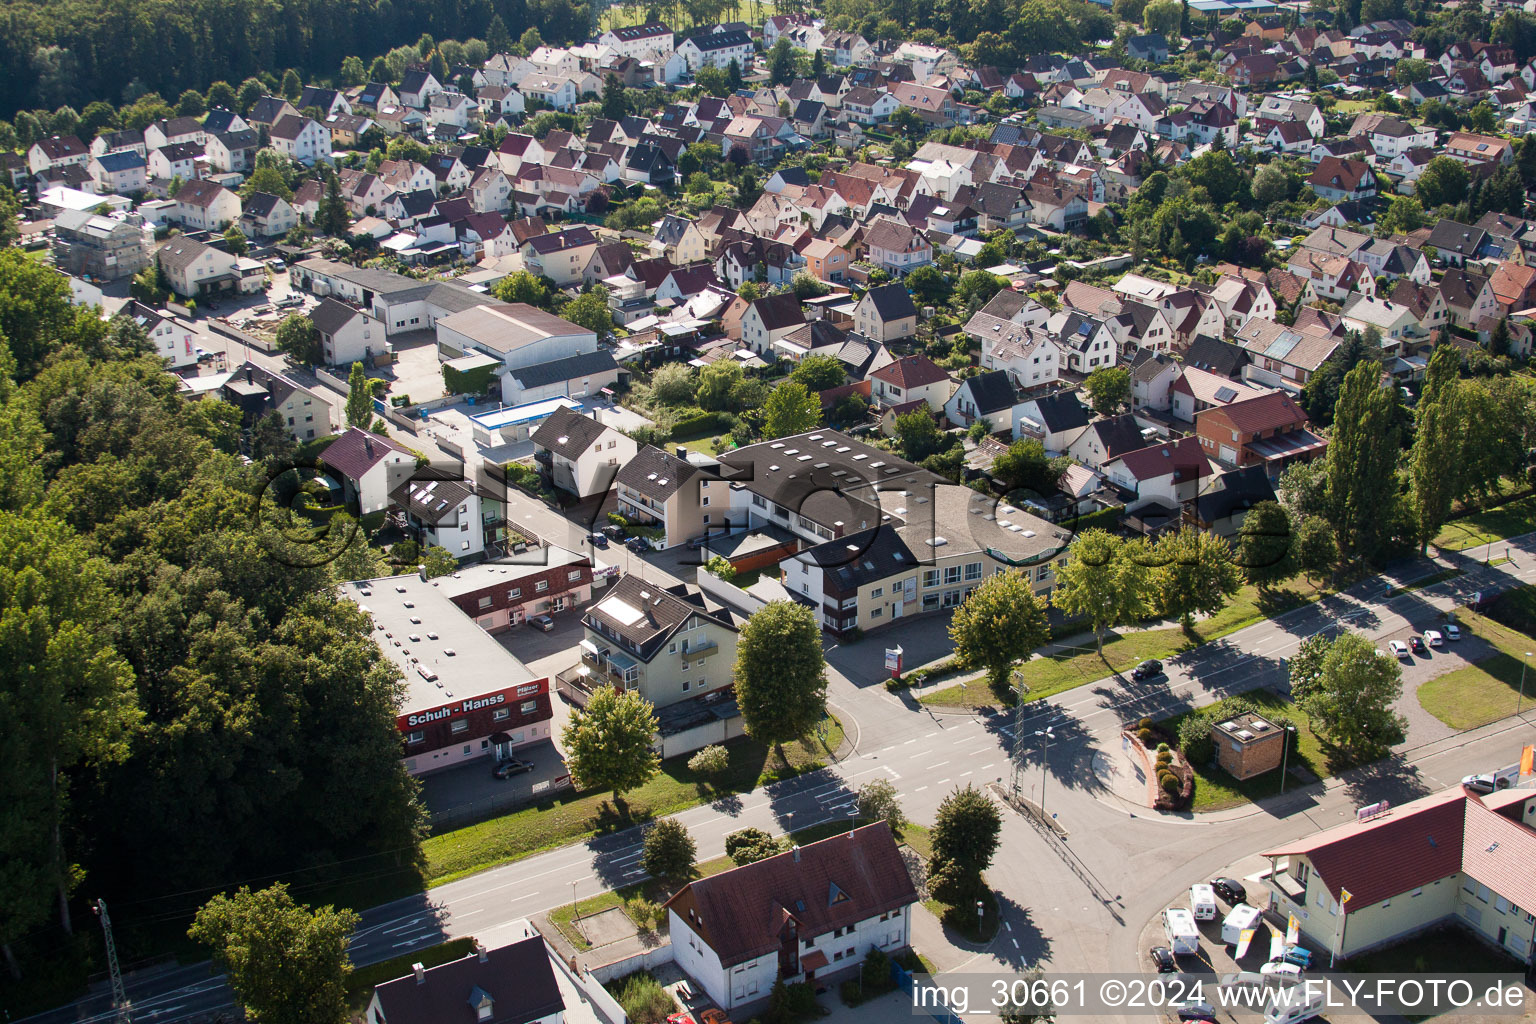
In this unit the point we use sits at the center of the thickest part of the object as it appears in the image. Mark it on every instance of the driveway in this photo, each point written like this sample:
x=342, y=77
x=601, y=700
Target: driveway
x=468, y=792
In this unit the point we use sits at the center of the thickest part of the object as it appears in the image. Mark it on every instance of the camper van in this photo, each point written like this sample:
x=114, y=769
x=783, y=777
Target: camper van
x=1179, y=928
x=1240, y=920
x=1202, y=900
x=1294, y=1005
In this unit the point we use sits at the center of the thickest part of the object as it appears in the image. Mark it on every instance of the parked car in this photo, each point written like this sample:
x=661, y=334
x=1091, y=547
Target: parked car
x=543, y=622
x=511, y=766
x=599, y=539
x=1230, y=889
x=1281, y=969
x=1195, y=1009
x=639, y=545
x=1416, y=643
x=1163, y=959
x=1399, y=649
x=1301, y=956
x=713, y=1016
x=1433, y=638
x=1487, y=782
x=1149, y=669
x=1452, y=631
x=615, y=532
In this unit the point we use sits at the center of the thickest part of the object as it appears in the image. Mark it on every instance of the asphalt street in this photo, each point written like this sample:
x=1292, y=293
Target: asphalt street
x=1069, y=905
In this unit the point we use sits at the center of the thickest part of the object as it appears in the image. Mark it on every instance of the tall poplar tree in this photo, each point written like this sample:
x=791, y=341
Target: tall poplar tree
x=1362, y=459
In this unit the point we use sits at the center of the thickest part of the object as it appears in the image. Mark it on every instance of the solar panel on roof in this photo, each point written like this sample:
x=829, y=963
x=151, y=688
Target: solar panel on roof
x=1225, y=394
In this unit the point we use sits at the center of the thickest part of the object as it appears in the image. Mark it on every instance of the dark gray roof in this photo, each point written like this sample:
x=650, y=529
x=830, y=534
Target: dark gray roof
x=991, y=391
x=865, y=557
x=655, y=473
x=782, y=310
x=1452, y=236
x=1240, y=489
x=432, y=501
x=663, y=611
x=261, y=204
x=518, y=980
x=1216, y=356
x=331, y=315
x=567, y=433
x=1061, y=411
x=1119, y=435
x=566, y=368
x=707, y=40
x=219, y=120
x=892, y=301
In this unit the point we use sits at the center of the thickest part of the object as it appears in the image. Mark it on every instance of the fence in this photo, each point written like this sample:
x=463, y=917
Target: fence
x=222, y=327
x=591, y=988
x=648, y=960
x=333, y=381
x=905, y=981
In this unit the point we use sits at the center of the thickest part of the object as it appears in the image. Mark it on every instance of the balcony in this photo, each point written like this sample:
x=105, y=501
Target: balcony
x=699, y=650
x=543, y=455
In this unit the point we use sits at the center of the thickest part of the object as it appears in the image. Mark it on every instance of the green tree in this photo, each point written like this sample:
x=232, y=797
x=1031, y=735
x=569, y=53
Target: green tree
x=1214, y=170
x=614, y=108
x=965, y=831
x=749, y=845
x=1129, y=10
x=711, y=761
x=929, y=285
x=1362, y=459
x=521, y=286
x=1405, y=214
x=298, y=340
x=1348, y=696
x=590, y=310
x=667, y=850
x=1001, y=622
x=1435, y=458
x=1109, y=389
x=286, y=964
x=1195, y=574
x=352, y=72
x=1316, y=549
x=332, y=216
x=191, y=104
x=1411, y=70
x=790, y=409
x=1264, y=545
x=877, y=801
x=1164, y=16
x=10, y=223
x=497, y=38
x=712, y=80
x=672, y=384
x=976, y=288
x=292, y=86
x=1443, y=181
x=717, y=381
x=780, y=674
x=359, y=397
x=919, y=435
x=438, y=562
x=271, y=440
x=818, y=373
x=1025, y=466
x=269, y=179
x=720, y=568
x=234, y=240
x=781, y=63
x=608, y=742
x=1103, y=583
x=1271, y=184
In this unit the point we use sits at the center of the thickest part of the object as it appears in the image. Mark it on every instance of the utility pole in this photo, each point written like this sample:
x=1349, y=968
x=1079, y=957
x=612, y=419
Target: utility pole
x=120, y=1005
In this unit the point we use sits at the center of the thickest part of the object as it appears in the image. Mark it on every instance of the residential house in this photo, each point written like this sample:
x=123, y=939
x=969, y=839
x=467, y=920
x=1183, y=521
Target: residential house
x=1471, y=148
x=1161, y=478
x=175, y=340
x=897, y=247
x=656, y=488
x=810, y=914
x=122, y=173
x=56, y=151
x=107, y=248
x=1270, y=430
x=769, y=319
x=1469, y=297
x=580, y=455
x=232, y=152
x=177, y=160
x=641, y=42
x=826, y=261
x=562, y=256
x=1196, y=390
x=718, y=48
x=886, y=313
x=258, y=393
x=1343, y=179
x=202, y=205
x=268, y=216
x=987, y=397
x=909, y=380
x=1056, y=420
x=417, y=87
x=371, y=467
x=511, y=984
x=346, y=335
x=442, y=513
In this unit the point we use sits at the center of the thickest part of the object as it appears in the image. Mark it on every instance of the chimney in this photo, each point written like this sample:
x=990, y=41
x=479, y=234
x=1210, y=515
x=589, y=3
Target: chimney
x=796, y=852
x=481, y=951
x=368, y=445
x=421, y=571
x=420, y=971
x=682, y=453
x=250, y=375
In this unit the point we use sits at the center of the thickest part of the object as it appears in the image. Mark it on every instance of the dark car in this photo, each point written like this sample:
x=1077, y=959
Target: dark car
x=511, y=766
x=599, y=540
x=543, y=622
x=1149, y=669
x=614, y=531
x=1416, y=642
x=639, y=545
x=1163, y=960
x=1230, y=889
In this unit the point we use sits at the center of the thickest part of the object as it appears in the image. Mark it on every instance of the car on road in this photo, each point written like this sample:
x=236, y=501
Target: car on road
x=1149, y=669
x=1452, y=631
x=1416, y=643
x=1433, y=638
x=639, y=545
x=1399, y=649
x=1163, y=959
x=599, y=539
x=1230, y=889
x=541, y=622
x=508, y=767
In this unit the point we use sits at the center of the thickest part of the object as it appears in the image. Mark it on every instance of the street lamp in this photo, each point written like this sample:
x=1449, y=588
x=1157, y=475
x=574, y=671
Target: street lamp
x=576, y=907
x=1520, y=700
x=1285, y=755
x=1045, y=754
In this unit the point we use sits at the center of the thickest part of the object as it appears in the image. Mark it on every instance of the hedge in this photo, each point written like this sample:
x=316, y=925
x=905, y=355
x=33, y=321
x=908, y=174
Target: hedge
x=703, y=423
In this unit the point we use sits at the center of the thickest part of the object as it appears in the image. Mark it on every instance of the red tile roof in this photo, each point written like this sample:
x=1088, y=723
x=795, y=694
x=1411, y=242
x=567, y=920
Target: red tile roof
x=1266, y=412
x=357, y=451
x=911, y=372
x=1183, y=458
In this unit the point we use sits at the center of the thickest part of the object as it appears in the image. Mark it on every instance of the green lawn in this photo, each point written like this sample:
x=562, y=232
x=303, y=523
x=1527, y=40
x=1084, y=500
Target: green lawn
x=1055, y=673
x=622, y=15
x=1427, y=581
x=571, y=817
x=1508, y=520
x=1477, y=694
x=1354, y=106
x=362, y=981
x=1216, y=790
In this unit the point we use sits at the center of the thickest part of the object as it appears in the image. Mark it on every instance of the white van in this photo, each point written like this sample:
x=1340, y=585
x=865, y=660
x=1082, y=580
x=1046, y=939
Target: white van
x=1293, y=1005
x=1202, y=899
x=1238, y=921
x=1179, y=929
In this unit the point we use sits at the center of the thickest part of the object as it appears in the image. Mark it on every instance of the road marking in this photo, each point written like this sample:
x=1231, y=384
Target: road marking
x=402, y=927
x=919, y=789
x=931, y=767
x=931, y=735
x=941, y=782
x=1015, y=943
x=1008, y=925
x=908, y=743
x=964, y=774
x=986, y=766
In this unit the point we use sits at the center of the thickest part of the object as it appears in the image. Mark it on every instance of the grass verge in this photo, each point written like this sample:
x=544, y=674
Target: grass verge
x=1215, y=790
x=572, y=817
x=1055, y=673
x=1427, y=581
x=1510, y=519
x=1489, y=690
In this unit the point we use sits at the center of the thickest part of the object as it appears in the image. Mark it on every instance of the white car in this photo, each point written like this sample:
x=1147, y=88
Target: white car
x=1433, y=638
x=1399, y=649
x=1452, y=631
x=1281, y=969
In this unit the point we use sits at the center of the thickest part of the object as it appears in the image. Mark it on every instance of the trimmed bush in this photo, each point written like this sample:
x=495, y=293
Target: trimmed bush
x=1170, y=784
x=1145, y=723
x=1162, y=748
x=1146, y=736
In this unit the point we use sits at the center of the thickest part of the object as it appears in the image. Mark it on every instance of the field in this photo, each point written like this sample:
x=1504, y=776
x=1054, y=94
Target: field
x=1216, y=790
x=1489, y=690
x=562, y=820
x=621, y=15
x=1056, y=673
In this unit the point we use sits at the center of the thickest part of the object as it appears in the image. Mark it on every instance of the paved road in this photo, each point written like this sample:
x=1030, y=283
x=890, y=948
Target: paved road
x=1077, y=904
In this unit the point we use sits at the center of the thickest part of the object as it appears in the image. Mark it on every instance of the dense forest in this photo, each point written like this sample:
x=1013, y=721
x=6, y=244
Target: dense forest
x=186, y=707
x=73, y=52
